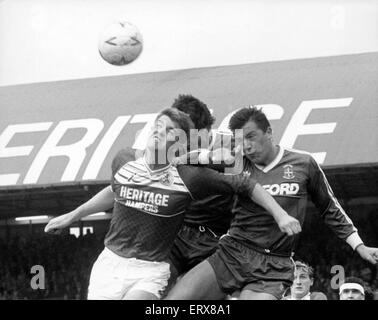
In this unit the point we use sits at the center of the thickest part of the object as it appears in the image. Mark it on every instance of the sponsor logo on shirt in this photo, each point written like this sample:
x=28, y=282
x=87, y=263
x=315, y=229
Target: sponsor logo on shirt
x=282, y=189
x=144, y=200
x=246, y=173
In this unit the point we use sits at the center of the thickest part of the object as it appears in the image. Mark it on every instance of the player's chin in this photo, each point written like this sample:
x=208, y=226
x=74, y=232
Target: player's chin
x=154, y=145
x=299, y=291
x=252, y=157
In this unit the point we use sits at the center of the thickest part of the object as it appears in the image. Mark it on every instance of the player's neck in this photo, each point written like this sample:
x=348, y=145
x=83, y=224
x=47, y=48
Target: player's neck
x=300, y=297
x=155, y=162
x=272, y=154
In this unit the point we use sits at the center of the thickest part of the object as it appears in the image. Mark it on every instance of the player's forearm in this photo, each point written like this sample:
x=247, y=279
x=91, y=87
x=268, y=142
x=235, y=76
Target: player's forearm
x=265, y=200
x=339, y=222
x=331, y=212
x=102, y=201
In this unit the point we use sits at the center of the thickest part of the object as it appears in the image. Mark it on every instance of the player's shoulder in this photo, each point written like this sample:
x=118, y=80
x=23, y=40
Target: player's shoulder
x=127, y=154
x=318, y=296
x=196, y=173
x=122, y=157
x=295, y=154
x=185, y=169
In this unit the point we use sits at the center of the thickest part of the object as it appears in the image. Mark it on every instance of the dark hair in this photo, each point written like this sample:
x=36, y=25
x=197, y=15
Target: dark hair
x=181, y=119
x=302, y=265
x=242, y=116
x=354, y=280
x=196, y=109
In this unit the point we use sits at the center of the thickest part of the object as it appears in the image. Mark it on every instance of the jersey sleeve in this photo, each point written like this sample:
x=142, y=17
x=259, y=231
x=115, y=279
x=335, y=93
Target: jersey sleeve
x=204, y=182
x=123, y=156
x=331, y=211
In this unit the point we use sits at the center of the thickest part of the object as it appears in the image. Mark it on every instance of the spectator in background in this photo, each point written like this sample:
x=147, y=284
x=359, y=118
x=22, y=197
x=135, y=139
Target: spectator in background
x=303, y=280
x=375, y=294
x=66, y=270
x=352, y=289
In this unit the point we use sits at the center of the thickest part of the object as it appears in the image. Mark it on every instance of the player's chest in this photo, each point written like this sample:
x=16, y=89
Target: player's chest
x=160, y=194
x=283, y=180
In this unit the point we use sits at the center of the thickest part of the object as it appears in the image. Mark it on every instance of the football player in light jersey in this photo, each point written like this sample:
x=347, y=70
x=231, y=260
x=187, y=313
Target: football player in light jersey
x=303, y=280
x=205, y=220
x=150, y=196
x=255, y=256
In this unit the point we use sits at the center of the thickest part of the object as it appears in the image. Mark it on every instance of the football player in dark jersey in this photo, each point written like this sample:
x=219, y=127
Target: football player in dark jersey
x=150, y=197
x=255, y=256
x=207, y=219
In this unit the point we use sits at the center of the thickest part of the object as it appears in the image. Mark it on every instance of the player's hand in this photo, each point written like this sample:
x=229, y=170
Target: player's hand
x=56, y=225
x=176, y=161
x=289, y=225
x=222, y=155
x=367, y=253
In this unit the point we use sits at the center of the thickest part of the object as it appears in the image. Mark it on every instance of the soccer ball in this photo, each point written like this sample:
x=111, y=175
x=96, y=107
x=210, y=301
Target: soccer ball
x=120, y=43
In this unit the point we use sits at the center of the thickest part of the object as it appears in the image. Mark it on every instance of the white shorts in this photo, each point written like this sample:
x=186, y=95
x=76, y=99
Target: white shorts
x=113, y=276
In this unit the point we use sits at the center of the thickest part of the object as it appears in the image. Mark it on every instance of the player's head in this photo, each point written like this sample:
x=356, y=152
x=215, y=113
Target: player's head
x=303, y=280
x=257, y=133
x=196, y=109
x=170, y=127
x=352, y=289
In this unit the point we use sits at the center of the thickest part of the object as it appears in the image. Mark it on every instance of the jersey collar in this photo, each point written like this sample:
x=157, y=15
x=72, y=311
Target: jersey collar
x=275, y=161
x=154, y=171
x=306, y=297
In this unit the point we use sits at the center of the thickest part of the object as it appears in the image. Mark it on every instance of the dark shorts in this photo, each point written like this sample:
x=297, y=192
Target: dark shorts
x=192, y=245
x=238, y=267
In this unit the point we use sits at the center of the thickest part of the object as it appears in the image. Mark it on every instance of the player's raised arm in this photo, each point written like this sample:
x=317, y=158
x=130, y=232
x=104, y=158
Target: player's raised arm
x=207, y=182
x=102, y=201
x=334, y=215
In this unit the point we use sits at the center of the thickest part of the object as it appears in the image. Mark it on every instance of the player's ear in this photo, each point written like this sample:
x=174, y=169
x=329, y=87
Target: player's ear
x=172, y=135
x=269, y=133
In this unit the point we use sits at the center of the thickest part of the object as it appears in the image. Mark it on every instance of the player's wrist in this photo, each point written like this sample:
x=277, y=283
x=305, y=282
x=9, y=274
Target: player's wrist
x=354, y=241
x=360, y=247
x=204, y=156
x=74, y=215
x=279, y=214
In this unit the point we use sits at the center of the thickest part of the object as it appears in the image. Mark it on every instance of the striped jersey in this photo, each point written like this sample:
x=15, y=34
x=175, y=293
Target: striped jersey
x=291, y=178
x=150, y=204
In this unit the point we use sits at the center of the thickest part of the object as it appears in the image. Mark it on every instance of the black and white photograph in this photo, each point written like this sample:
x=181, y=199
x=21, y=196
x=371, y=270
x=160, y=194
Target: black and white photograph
x=195, y=150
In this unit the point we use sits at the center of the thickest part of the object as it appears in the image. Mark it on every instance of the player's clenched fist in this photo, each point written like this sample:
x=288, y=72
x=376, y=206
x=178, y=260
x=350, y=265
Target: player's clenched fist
x=56, y=225
x=368, y=253
x=289, y=225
